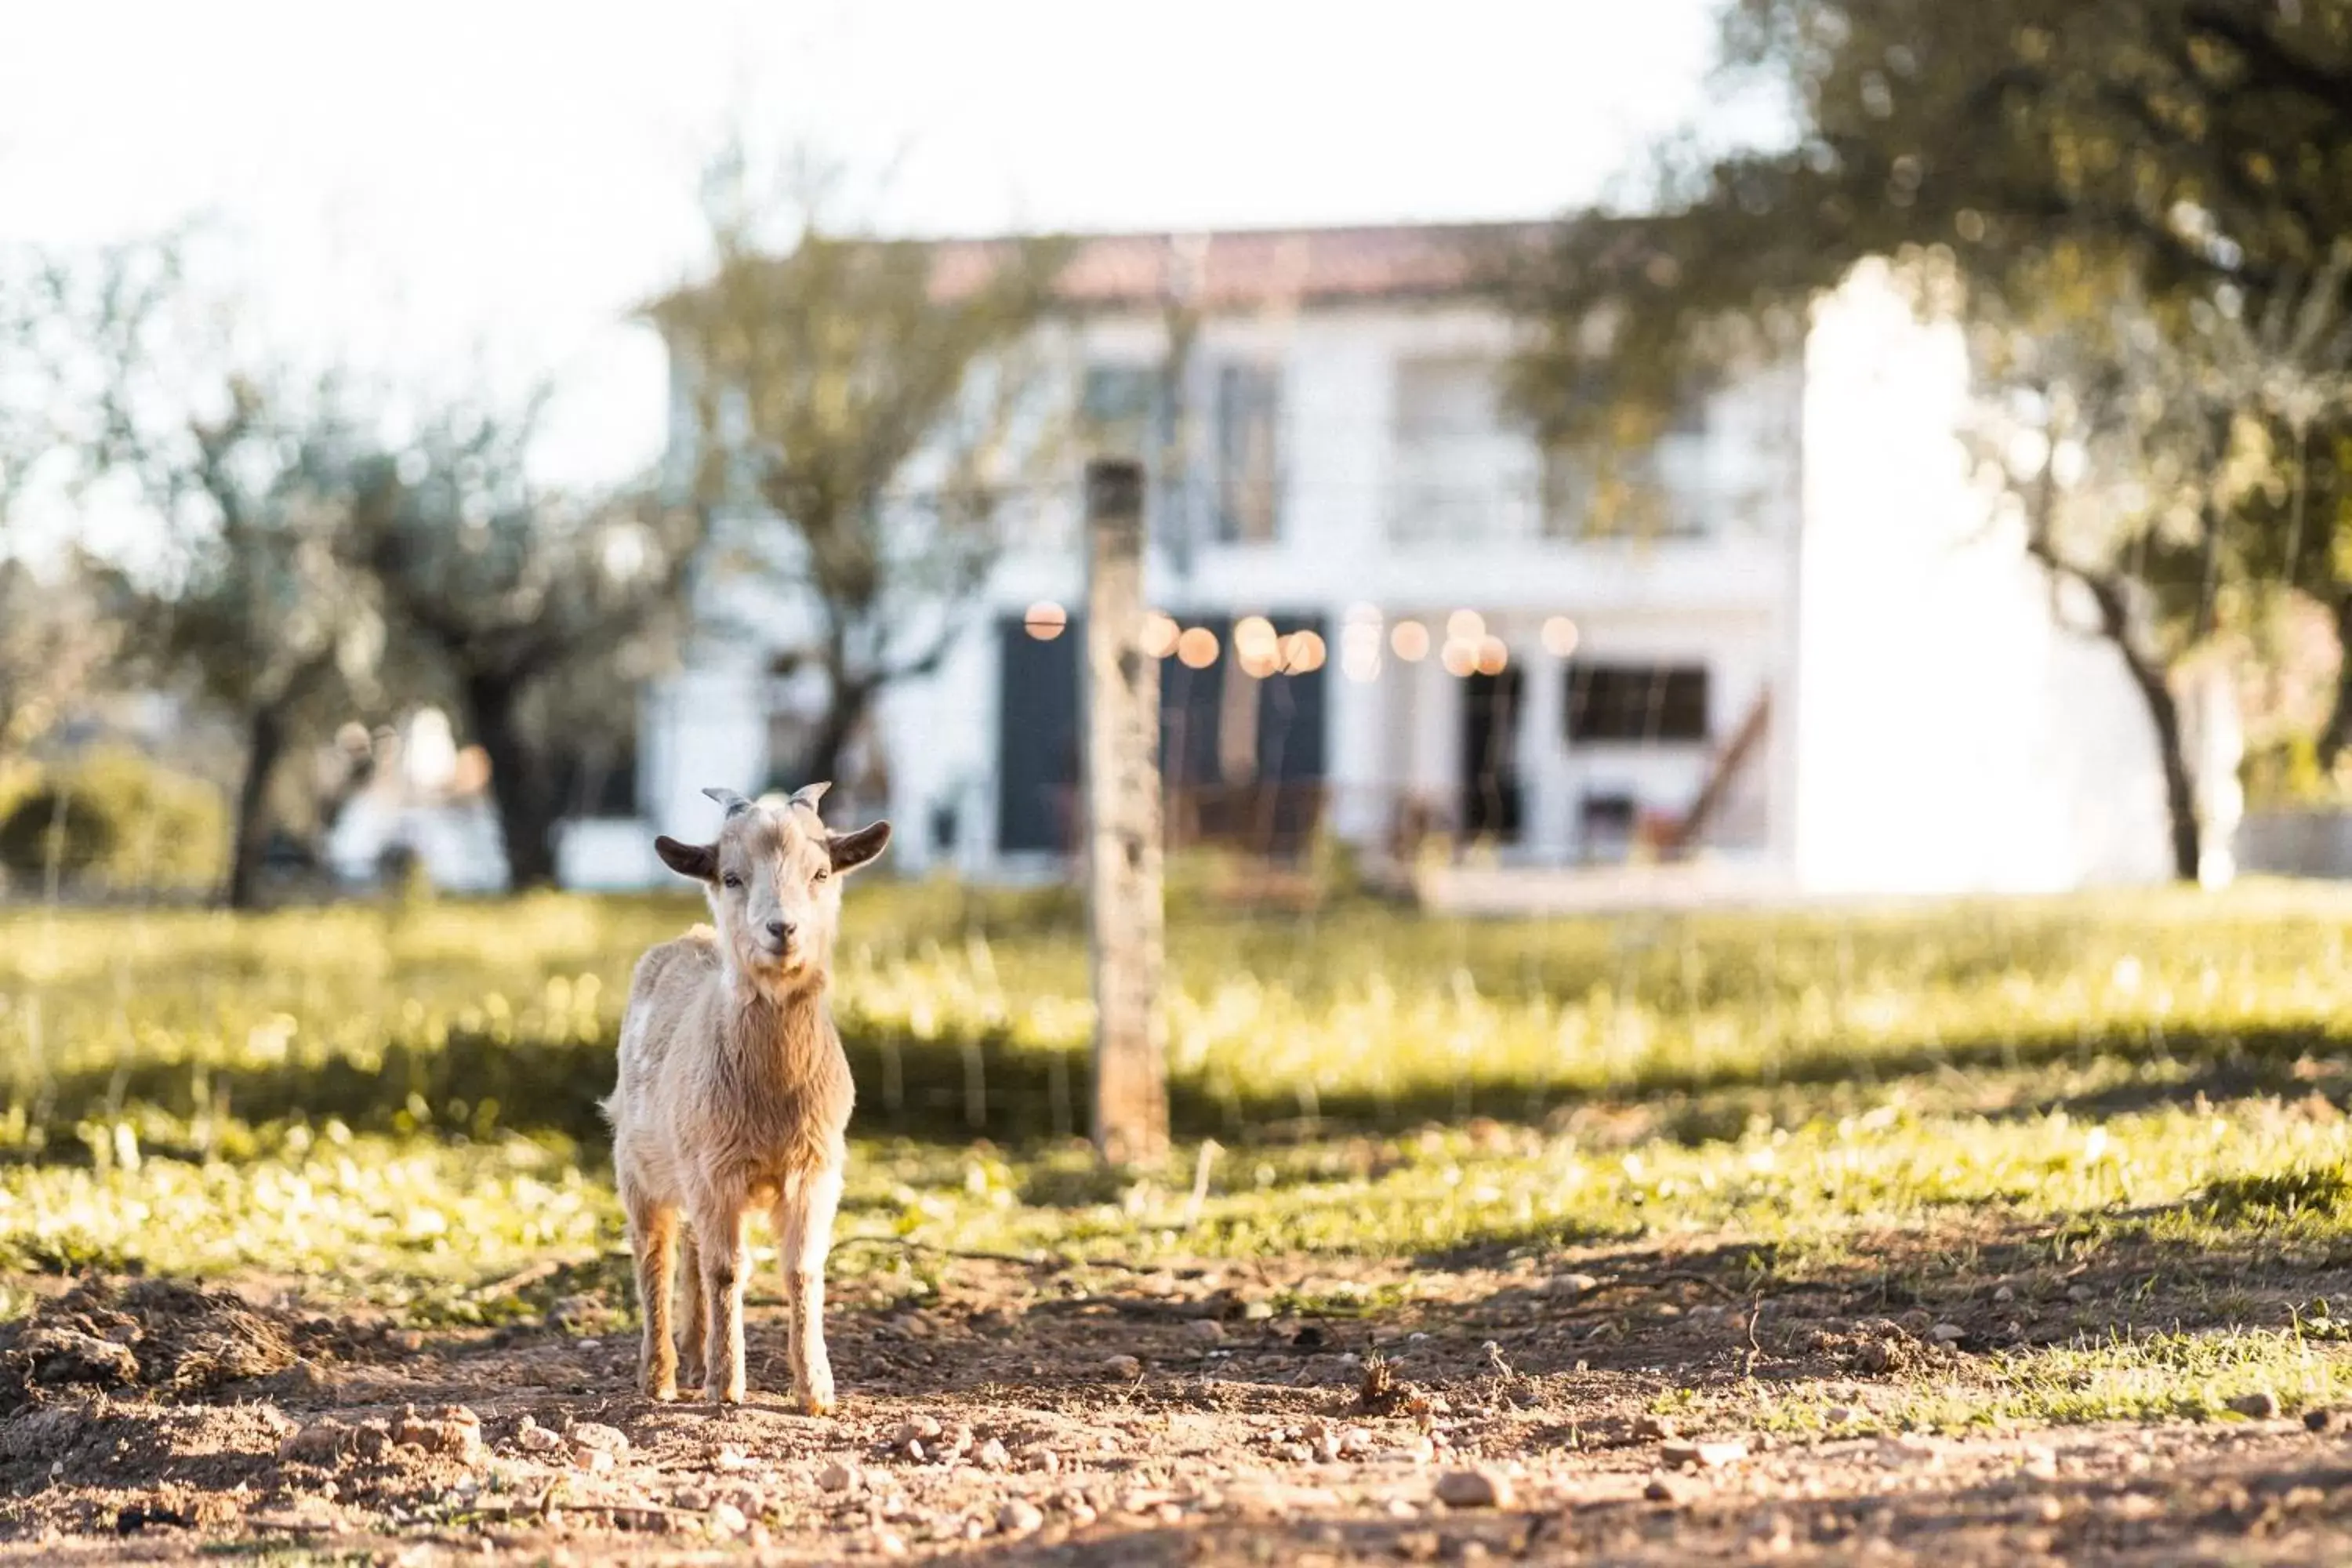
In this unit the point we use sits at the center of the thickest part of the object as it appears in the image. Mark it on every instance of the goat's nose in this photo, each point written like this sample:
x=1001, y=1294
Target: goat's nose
x=779, y=930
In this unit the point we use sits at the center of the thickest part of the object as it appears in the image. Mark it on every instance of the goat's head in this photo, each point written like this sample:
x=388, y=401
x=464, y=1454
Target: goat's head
x=773, y=878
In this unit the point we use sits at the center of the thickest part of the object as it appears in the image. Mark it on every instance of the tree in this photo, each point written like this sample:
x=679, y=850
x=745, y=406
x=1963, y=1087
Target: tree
x=874, y=411
x=2198, y=150
x=2097, y=438
x=541, y=610
x=248, y=473
x=53, y=641
x=251, y=601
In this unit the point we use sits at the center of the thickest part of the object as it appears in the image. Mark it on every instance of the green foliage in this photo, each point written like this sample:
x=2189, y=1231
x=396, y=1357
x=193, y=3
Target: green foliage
x=2272, y=1197
x=127, y=823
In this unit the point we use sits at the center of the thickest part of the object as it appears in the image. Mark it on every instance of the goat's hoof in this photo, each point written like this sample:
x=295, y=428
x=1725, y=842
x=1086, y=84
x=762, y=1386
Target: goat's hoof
x=661, y=1392
x=817, y=1404
x=718, y=1395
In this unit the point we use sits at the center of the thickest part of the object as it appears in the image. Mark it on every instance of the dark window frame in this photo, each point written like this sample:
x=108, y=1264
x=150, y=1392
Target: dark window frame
x=1620, y=702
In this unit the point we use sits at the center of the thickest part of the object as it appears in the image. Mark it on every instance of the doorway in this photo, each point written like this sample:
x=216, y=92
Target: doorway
x=1493, y=799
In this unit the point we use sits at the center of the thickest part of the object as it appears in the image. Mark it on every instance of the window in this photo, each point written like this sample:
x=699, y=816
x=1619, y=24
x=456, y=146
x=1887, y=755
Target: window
x=1119, y=401
x=1441, y=400
x=1249, y=472
x=1637, y=703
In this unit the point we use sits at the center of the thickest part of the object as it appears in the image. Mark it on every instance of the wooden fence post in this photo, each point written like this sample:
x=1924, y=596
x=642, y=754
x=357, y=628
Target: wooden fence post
x=1125, y=915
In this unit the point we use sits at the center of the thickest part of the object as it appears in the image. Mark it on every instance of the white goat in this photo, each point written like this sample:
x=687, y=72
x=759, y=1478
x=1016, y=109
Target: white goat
x=734, y=1091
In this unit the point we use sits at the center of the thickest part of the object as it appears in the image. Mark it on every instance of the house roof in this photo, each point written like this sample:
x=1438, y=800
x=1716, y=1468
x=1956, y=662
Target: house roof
x=1243, y=269
x=1227, y=269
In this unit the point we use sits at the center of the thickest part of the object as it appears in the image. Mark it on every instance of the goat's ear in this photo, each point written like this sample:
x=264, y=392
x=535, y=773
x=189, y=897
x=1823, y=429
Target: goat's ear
x=851, y=850
x=699, y=861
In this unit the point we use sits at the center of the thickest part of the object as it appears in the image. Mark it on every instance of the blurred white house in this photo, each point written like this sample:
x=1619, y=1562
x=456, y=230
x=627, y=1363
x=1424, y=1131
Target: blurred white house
x=1805, y=660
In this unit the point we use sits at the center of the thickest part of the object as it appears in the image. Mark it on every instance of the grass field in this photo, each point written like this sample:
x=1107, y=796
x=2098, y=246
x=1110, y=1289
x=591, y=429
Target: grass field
x=1949, y=1175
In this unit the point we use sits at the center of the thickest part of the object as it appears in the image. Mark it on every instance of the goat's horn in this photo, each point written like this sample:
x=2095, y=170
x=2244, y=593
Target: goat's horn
x=809, y=795
x=729, y=799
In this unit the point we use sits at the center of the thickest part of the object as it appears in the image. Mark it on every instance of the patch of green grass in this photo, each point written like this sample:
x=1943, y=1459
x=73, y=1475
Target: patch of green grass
x=398, y=1106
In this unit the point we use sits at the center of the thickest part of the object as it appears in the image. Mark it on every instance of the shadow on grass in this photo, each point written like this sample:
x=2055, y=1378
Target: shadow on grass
x=994, y=1086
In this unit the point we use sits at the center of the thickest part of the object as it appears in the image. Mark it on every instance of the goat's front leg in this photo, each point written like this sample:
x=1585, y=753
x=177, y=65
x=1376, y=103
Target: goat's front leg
x=718, y=1235
x=653, y=1231
x=804, y=1231
x=690, y=1362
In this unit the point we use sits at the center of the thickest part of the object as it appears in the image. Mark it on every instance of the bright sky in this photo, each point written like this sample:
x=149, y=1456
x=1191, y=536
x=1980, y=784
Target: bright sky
x=410, y=184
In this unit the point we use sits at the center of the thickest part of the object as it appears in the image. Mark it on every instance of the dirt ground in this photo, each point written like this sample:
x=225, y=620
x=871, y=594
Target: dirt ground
x=1211, y=1415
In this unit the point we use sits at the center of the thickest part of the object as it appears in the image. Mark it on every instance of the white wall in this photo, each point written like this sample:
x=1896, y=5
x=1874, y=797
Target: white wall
x=1949, y=738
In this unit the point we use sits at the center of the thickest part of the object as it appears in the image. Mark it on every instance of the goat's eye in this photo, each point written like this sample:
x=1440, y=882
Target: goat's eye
x=731, y=879
x=823, y=873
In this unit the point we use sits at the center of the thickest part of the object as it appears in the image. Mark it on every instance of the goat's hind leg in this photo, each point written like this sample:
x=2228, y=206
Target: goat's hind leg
x=653, y=1234
x=804, y=1234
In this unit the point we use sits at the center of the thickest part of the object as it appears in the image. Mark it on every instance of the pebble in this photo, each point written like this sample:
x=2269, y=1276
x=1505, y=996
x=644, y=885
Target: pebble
x=533, y=1438
x=1124, y=1368
x=452, y=1430
x=1661, y=1490
x=1206, y=1331
x=992, y=1457
x=2322, y=1420
x=2078, y=1294
x=1039, y=1458
x=956, y=1444
x=726, y=1519
x=1838, y=1415
x=1258, y=1311
x=915, y=1429
x=1474, y=1489
x=1949, y=1334
x=1019, y=1517
x=837, y=1477
x=596, y=1434
x=595, y=1461
x=1572, y=1284
x=2005, y=1294
x=1653, y=1429
x=319, y=1443
x=889, y=1543
x=1705, y=1456
x=2259, y=1405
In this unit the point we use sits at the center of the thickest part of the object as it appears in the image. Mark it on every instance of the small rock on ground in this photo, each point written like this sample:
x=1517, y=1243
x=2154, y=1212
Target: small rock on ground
x=1705, y=1456
x=837, y=1477
x=2260, y=1405
x=1124, y=1368
x=1474, y=1489
x=1019, y=1518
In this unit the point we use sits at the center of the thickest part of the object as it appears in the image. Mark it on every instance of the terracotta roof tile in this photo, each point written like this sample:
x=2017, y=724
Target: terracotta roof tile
x=1254, y=269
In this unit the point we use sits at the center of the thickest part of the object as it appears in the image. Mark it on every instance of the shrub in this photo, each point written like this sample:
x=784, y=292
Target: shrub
x=112, y=818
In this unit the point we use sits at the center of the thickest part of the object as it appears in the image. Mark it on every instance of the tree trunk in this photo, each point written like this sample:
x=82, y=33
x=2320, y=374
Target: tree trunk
x=265, y=743
x=518, y=788
x=2179, y=785
x=2108, y=593
x=2337, y=733
x=846, y=702
x=2164, y=716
